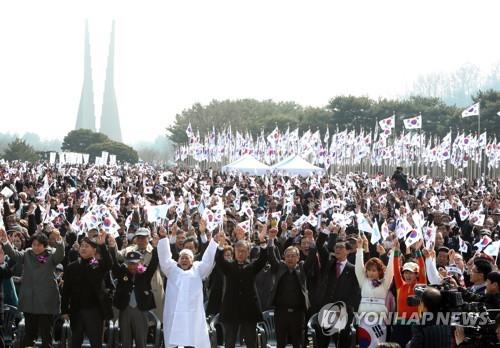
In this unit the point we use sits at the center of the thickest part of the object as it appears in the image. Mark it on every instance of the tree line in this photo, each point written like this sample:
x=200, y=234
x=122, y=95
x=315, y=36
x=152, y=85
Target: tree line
x=341, y=112
x=81, y=140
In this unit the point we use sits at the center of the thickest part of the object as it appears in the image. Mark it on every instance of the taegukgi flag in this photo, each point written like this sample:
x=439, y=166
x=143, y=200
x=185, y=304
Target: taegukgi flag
x=413, y=123
x=472, y=110
x=388, y=123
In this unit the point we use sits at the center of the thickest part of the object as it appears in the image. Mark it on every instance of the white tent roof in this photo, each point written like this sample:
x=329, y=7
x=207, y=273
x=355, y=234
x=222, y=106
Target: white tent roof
x=296, y=165
x=247, y=164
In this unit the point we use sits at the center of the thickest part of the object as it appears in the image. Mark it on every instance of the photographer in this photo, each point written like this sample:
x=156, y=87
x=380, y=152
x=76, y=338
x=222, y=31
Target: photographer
x=463, y=342
x=491, y=298
x=429, y=334
x=482, y=335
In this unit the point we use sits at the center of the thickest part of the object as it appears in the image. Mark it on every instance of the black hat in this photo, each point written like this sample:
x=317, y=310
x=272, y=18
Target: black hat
x=133, y=257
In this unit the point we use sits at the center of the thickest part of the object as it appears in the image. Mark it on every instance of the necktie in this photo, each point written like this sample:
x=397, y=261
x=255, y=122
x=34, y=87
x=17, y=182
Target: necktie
x=133, y=300
x=339, y=268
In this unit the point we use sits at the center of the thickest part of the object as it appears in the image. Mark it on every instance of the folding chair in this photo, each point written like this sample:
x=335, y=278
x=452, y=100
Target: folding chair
x=57, y=343
x=11, y=319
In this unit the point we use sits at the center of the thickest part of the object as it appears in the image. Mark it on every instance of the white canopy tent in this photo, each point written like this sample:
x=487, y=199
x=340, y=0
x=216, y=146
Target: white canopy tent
x=296, y=165
x=247, y=164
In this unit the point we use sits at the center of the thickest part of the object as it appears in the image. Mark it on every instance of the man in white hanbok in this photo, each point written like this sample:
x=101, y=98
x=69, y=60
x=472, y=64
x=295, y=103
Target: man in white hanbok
x=184, y=321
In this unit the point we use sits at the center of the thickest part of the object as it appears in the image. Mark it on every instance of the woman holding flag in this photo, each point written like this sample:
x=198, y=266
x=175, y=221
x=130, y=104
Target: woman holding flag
x=374, y=280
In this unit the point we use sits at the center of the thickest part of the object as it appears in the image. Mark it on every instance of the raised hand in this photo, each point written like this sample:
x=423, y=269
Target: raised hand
x=155, y=240
x=334, y=228
x=359, y=243
x=162, y=232
x=56, y=234
x=263, y=233
x=203, y=225
x=395, y=244
x=220, y=237
x=273, y=232
x=380, y=249
x=418, y=245
x=432, y=253
x=426, y=253
x=101, y=237
x=111, y=241
x=3, y=235
x=365, y=240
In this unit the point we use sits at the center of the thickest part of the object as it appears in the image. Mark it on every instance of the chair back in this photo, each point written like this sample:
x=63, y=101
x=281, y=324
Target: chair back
x=269, y=325
x=11, y=319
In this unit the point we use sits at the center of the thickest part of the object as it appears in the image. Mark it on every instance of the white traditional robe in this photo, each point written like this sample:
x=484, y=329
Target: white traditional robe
x=184, y=321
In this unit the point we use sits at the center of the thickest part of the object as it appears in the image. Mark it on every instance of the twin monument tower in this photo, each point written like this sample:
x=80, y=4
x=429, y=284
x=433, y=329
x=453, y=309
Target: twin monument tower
x=110, y=121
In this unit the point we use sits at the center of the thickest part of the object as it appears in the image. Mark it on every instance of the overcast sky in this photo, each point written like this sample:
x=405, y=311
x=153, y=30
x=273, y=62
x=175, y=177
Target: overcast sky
x=171, y=54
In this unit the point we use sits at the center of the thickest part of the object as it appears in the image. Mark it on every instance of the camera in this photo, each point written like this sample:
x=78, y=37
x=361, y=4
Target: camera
x=472, y=316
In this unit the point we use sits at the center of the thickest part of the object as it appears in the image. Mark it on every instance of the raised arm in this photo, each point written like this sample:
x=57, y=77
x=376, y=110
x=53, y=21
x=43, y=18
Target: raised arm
x=165, y=256
x=58, y=255
x=360, y=266
x=17, y=256
x=430, y=267
x=398, y=279
x=106, y=261
x=207, y=262
x=422, y=279
x=271, y=255
x=153, y=264
x=321, y=249
x=389, y=271
x=259, y=264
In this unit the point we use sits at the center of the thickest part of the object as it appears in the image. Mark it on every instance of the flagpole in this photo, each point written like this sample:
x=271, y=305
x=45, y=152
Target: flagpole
x=394, y=141
x=478, y=135
x=421, y=146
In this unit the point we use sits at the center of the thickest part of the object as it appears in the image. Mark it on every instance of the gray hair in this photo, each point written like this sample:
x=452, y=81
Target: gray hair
x=242, y=243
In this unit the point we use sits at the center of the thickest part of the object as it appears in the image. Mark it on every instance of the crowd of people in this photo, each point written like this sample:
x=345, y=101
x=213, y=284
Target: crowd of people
x=90, y=244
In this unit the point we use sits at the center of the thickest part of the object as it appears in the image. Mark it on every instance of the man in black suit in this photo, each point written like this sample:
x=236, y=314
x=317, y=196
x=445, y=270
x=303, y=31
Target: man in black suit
x=289, y=295
x=479, y=274
x=84, y=295
x=134, y=297
x=340, y=284
x=399, y=179
x=240, y=305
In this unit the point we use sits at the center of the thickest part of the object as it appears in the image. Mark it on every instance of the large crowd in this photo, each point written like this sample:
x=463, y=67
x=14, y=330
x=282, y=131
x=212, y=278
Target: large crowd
x=86, y=244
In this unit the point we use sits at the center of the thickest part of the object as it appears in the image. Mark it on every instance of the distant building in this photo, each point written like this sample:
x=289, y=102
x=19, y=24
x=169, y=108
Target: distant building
x=86, y=113
x=110, y=120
